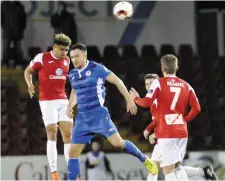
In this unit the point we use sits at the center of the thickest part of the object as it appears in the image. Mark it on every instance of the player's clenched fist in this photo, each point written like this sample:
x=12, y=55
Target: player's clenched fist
x=131, y=107
x=69, y=112
x=31, y=90
x=152, y=138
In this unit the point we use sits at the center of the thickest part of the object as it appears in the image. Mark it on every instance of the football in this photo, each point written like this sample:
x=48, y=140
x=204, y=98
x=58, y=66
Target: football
x=123, y=10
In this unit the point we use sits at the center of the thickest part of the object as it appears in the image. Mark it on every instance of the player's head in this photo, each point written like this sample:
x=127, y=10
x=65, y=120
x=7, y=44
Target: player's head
x=78, y=55
x=169, y=64
x=95, y=145
x=149, y=79
x=61, y=45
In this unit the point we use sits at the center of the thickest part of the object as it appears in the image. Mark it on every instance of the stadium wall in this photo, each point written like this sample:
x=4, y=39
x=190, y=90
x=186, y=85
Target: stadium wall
x=170, y=23
x=125, y=167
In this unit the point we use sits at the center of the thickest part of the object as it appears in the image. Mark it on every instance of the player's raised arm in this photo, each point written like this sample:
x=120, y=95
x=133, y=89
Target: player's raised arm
x=195, y=106
x=31, y=68
x=152, y=94
x=131, y=107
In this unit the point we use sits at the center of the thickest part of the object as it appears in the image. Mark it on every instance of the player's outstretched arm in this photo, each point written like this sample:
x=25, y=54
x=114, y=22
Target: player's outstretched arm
x=113, y=79
x=72, y=104
x=28, y=78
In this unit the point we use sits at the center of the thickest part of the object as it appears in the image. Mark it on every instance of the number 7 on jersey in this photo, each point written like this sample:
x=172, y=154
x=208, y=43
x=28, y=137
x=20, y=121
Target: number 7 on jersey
x=176, y=90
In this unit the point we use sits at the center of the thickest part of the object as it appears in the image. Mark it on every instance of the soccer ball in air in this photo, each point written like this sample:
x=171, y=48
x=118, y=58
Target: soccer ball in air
x=123, y=10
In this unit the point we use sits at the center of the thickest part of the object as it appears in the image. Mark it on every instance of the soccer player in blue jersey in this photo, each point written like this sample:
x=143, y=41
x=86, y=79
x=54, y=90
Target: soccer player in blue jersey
x=88, y=92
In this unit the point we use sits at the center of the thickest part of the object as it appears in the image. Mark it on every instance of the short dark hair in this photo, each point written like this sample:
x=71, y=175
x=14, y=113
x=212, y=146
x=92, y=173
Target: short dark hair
x=151, y=76
x=170, y=62
x=79, y=46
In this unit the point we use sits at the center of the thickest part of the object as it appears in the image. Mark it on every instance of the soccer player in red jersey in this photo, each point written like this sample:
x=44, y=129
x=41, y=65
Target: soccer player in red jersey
x=173, y=97
x=206, y=172
x=53, y=68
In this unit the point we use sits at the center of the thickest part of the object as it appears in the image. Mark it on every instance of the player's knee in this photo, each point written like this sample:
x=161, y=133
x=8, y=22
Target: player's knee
x=74, y=152
x=51, y=133
x=66, y=137
x=118, y=143
x=168, y=169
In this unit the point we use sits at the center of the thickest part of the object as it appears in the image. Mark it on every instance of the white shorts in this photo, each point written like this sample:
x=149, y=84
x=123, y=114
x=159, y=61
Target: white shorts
x=155, y=154
x=54, y=111
x=171, y=150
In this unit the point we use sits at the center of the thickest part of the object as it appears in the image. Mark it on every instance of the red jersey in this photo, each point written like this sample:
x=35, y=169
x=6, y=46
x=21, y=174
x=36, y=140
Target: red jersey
x=173, y=97
x=52, y=73
x=153, y=124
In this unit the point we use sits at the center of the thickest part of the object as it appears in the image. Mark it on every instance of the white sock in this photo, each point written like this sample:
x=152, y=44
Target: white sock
x=152, y=177
x=170, y=177
x=192, y=171
x=66, y=152
x=52, y=155
x=181, y=174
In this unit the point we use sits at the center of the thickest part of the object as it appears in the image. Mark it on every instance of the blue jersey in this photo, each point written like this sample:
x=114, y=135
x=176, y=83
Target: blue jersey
x=88, y=84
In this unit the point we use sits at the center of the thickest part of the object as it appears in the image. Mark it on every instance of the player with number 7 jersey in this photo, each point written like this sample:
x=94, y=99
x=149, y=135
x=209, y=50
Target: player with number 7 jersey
x=173, y=95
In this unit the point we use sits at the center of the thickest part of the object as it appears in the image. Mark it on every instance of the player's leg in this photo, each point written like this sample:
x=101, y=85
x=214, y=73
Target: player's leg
x=206, y=172
x=155, y=158
x=65, y=126
x=180, y=172
x=74, y=161
x=80, y=136
x=110, y=132
x=66, y=131
x=50, y=117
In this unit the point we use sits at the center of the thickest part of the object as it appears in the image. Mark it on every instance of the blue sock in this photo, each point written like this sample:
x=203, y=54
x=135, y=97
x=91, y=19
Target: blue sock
x=130, y=148
x=73, y=168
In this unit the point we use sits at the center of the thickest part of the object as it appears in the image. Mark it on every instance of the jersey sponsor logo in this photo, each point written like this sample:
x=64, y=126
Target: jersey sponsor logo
x=88, y=73
x=58, y=71
x=65, y=63
x=63, y=77
x=50, y=61
x=58, y=75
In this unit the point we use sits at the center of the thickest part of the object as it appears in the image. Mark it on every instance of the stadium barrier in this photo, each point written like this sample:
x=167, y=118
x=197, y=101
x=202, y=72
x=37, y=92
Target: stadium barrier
x=124, y=166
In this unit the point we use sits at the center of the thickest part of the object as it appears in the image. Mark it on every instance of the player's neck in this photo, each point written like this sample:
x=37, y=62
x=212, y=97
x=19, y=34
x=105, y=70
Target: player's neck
x=54, y=54
x=169, y=75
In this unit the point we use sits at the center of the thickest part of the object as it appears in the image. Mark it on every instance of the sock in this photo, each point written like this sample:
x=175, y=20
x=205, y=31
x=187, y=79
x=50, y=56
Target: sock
x=152, y=177
x=52, y=155
x=170, y=177
x=192, y=171
x=66, y=152
x=130, y=148
x=73, y=168
x=181, y=174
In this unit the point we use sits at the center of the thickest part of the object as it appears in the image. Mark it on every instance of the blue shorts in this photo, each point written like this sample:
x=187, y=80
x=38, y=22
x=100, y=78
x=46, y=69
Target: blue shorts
x=91, y=122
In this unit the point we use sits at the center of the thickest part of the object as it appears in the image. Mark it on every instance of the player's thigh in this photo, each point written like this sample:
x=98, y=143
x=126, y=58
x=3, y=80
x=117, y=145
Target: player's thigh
x=75, y=150
x=63, y=104
x=116, y=140
x=169, y=153
x=65, y=128
x=49, y=112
